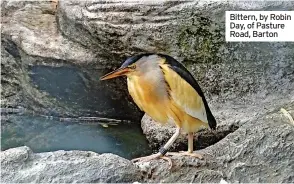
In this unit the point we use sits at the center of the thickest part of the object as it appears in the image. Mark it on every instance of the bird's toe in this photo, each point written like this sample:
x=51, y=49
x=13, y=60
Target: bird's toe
x=169, y=160
x=196, y=155
x=153, y=157
x=147, y=158
x=185, y=153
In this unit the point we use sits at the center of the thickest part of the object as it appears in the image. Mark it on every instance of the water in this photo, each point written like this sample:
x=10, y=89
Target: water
x=75, y=92
x=42, y=135
x=79, y=92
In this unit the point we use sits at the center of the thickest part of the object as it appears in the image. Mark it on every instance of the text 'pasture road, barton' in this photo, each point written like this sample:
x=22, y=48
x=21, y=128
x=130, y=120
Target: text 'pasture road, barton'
x=260, y=26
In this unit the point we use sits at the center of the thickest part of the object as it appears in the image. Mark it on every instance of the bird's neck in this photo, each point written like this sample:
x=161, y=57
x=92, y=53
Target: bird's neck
x=152, y=83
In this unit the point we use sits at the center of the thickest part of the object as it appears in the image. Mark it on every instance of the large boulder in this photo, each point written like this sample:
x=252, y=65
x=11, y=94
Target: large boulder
x=95, y=35
x=241, y=80
x=21, y=165
x=192, y=31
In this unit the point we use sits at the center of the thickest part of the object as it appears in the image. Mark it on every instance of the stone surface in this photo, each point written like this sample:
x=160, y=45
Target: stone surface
x=245, y=83
x=258, y=151
x=241, y=80
x=30, y=38
x=10, y=82
x=32, y=27
x=22, y=165
x=191, y=31
x=158, y=135
x=98, y=34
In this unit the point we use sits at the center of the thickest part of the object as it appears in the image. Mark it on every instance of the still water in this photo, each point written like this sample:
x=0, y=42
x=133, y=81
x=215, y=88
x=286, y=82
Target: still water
x=74, y=92
x=42, y=135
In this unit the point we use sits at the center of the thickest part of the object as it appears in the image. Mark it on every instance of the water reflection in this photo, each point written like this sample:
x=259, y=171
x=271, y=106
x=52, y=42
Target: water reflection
x=79, y=92
x=42, y=135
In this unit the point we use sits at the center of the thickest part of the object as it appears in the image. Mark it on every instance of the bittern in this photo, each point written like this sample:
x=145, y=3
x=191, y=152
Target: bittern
x=165, y=90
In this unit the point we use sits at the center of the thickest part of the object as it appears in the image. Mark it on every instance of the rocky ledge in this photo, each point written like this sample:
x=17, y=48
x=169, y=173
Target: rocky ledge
x=258, y=151
x=22, y=165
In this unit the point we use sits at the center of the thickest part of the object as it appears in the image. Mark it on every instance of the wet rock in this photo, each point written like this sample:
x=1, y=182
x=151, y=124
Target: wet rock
x=22, y=165
x=258, y=151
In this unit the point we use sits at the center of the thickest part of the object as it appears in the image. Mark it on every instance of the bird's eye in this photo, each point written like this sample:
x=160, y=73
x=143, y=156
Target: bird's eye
x=132, y=67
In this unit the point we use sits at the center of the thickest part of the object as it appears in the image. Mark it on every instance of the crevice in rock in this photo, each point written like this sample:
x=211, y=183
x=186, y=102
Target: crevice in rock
x=205, y=138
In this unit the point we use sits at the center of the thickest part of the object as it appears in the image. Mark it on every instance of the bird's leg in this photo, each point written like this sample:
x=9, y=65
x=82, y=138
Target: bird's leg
x=190, y=142
x=190, y=149
x=167, y=145
x=147, y=158
x=162, y=150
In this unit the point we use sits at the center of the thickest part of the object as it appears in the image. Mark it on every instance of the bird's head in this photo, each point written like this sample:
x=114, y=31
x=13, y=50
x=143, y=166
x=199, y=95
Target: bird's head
x=135, y=65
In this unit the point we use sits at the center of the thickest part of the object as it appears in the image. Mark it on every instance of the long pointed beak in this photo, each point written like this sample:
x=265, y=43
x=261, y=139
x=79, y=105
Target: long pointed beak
x=115, y=73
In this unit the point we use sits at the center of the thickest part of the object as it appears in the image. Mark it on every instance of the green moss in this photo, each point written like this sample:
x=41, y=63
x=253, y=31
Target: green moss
x=200, y=40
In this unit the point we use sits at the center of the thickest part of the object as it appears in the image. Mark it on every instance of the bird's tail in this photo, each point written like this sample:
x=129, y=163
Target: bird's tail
x=210, y=118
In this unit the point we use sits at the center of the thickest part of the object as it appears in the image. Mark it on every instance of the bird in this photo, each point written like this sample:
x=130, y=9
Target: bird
x=165, y=90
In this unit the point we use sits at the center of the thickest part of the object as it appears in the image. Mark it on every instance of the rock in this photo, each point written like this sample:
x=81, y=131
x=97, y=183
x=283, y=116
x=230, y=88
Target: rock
x=260, y=151
x=240, y=80
x=123, y=28
x=157, y=135
x=31, y=37
x=22, y=165
x=97, y=35
x=243, y=82
x=32, y=27
x=10, y=82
